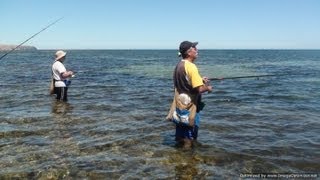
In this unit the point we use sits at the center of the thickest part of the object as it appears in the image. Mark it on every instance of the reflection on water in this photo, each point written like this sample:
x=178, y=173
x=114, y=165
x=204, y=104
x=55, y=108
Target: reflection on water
x=61, y=108
x=187, y=164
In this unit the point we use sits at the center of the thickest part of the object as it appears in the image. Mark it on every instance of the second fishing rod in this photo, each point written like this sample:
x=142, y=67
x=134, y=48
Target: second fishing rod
x=245, y=77
x=30, y=38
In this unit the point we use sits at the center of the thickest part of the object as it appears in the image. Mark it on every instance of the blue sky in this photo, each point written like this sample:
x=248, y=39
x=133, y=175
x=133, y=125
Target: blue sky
x=162, y=24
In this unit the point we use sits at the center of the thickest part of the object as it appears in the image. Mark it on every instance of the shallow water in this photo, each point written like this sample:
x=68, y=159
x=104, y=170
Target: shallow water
x=113, y=125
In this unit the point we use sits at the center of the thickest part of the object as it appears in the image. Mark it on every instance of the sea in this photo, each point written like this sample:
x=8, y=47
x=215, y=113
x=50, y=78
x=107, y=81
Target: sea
x=114, y=127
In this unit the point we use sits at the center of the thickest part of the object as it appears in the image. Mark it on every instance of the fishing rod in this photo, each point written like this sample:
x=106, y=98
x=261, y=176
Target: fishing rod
x=242, y=77
x=30, y=38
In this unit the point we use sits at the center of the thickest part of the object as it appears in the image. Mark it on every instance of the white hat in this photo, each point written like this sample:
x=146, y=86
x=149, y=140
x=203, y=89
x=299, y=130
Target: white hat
x=60, y=54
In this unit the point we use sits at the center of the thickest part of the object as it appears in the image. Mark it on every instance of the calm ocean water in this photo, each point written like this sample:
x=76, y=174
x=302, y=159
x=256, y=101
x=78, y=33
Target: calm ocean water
x=113, y=125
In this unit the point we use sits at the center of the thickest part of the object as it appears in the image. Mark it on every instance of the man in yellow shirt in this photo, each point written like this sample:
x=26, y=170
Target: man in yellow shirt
x=189, y=86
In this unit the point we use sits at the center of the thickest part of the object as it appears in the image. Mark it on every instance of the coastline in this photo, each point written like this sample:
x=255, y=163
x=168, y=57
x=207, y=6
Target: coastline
x=6, y=47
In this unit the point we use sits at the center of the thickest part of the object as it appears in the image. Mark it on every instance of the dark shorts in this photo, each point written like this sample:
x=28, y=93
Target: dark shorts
x=62, y=93
x=183, y=131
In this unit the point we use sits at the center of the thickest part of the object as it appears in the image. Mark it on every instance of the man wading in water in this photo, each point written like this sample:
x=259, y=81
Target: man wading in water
x=60, y=77
x=189, y=86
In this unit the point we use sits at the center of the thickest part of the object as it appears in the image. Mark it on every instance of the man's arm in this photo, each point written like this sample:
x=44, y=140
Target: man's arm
x=204, y=88
x=66, y=74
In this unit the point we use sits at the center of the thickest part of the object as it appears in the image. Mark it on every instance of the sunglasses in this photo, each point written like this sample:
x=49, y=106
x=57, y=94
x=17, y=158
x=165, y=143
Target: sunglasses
x=195, y=48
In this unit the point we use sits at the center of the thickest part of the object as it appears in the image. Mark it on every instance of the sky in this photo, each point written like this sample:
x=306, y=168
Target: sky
x=162, y=24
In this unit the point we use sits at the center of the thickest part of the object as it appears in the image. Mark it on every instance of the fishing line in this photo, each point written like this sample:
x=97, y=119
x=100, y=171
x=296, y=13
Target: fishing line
x=30, y=38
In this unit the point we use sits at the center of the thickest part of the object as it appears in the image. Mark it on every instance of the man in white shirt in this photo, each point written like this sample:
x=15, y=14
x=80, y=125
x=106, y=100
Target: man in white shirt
x=60, y=76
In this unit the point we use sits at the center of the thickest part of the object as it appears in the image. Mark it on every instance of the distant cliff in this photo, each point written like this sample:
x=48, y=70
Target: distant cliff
x=4, y=47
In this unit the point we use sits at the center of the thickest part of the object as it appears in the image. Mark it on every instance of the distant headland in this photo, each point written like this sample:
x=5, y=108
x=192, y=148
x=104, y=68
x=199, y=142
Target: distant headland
x=6, y=47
